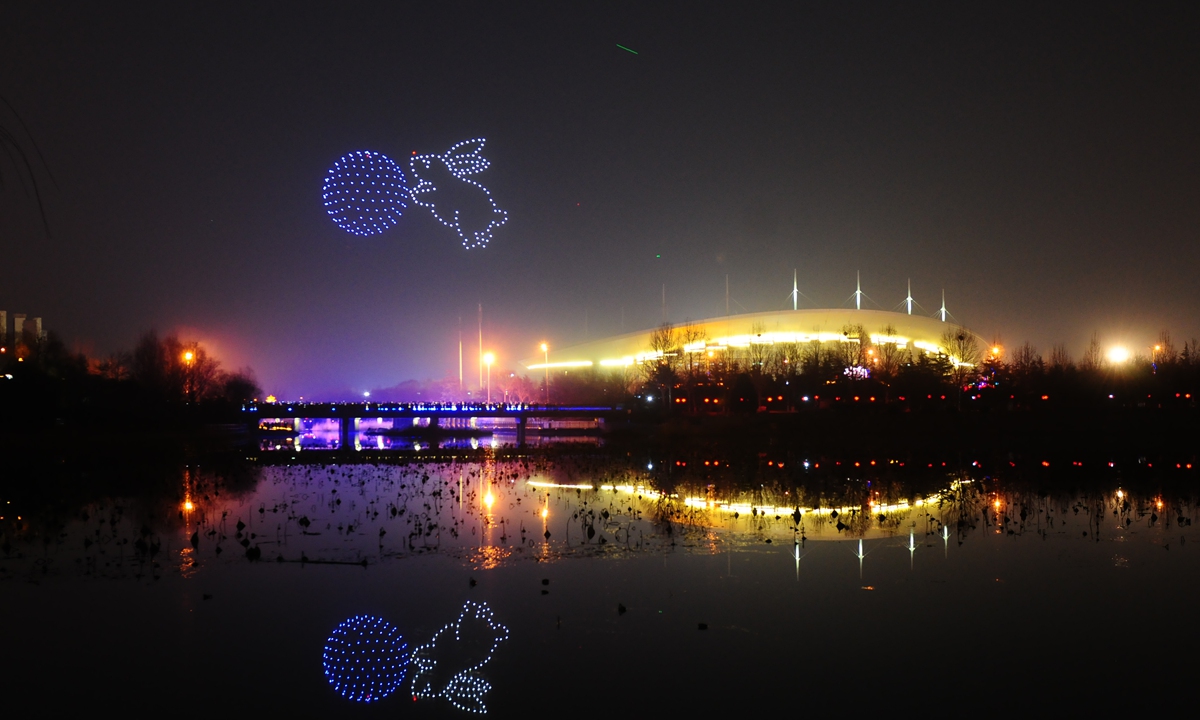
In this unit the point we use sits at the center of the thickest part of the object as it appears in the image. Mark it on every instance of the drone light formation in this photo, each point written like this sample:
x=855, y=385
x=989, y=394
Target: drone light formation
x=365, y=193
x=365, y=658
x=459, y=162
x=466, y=687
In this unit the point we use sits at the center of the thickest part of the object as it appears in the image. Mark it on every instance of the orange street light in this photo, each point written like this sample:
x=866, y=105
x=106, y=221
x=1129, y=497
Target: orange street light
x=189, y=356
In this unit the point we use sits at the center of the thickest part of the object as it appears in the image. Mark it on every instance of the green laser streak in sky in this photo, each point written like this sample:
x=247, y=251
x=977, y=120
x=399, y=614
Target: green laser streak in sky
x=635, y=52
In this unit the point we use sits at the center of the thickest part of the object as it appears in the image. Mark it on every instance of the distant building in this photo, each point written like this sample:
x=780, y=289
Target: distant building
x=26, y=332
x=715, y=337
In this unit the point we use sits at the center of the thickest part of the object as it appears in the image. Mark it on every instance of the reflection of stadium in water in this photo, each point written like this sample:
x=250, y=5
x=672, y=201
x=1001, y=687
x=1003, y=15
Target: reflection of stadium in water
x=495, y=512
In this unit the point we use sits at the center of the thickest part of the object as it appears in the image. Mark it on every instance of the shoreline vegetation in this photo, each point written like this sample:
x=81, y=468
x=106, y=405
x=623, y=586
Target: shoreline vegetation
x=163, y=384
x=842, y=397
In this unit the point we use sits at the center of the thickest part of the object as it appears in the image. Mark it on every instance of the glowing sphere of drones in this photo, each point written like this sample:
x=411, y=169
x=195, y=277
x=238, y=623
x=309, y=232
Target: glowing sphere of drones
x=365, y=193
x=365, y=658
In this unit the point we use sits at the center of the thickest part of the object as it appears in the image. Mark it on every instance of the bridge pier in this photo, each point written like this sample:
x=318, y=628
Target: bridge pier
x=521, y=422
x=346, y=428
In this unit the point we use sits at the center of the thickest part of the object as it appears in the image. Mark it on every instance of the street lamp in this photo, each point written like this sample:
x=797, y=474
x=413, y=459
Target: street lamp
x=189, y=357
x=546, y=350
x=488, y=359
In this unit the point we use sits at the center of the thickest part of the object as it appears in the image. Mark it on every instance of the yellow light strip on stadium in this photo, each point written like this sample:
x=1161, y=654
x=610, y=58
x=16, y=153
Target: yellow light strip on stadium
x=620, y=362
x=567, y=364
x=769, y=338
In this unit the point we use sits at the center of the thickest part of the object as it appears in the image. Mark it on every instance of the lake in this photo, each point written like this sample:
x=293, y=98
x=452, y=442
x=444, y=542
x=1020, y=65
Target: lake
x=596, y=583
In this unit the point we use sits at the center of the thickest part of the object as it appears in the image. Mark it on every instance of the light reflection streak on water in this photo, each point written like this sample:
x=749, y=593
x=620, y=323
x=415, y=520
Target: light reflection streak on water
x=531, y=497
x=745, y=507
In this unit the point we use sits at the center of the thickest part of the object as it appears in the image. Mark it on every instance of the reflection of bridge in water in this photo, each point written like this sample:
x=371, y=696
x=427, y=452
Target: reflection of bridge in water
x=436, y=415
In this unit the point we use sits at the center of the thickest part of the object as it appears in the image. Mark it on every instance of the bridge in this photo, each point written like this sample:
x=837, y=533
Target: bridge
x=459, y=414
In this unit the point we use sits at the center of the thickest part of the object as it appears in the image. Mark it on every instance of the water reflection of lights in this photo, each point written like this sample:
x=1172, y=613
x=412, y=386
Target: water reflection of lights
x=439, y=664
x=704, y=503
x=364, y=658
x=641, y=490
x=489, y=557
x=489, y=500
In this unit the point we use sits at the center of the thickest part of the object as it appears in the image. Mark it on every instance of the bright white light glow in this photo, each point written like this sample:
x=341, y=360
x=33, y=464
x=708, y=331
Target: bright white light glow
x=1118, y=354
x=554, y=365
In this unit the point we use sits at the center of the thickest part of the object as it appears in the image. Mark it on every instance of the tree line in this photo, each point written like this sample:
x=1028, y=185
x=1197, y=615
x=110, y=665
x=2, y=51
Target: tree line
x=43, y=382
x=685, y=375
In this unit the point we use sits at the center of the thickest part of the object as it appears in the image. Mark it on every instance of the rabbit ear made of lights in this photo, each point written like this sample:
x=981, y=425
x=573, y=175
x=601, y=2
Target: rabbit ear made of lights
x=464, y=159
x=461, y=161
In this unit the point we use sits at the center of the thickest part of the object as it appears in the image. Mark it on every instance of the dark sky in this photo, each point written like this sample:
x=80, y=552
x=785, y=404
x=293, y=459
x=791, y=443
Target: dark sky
x=1040, y=164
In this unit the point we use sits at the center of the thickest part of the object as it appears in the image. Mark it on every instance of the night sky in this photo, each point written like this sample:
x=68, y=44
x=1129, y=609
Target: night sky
x=1040, y=164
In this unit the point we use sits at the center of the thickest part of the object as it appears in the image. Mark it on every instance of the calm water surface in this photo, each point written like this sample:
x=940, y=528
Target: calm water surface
x=614, y=588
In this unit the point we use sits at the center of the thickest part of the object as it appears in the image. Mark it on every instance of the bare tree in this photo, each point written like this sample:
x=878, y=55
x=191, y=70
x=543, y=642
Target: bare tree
x=1026, y=360
x=1060, y=359
x=854, y=348
x=787, y=359
x=964, y=352
x=1091, y=357
x=691, y=334
x=114, y=367
x=1164, y=350
x=814, y=357
x=759, y=351
x=889, y=354
x=661, y=371
x=664, y=341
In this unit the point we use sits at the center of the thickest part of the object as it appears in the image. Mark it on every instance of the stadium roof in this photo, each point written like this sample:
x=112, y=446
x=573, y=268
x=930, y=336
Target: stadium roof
x=918, y=333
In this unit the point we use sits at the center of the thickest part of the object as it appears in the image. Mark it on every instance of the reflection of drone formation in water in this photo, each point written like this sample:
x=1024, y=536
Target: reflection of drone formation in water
x=365, y=661
x=365, y=192
x=448, y=666
x=364, y=658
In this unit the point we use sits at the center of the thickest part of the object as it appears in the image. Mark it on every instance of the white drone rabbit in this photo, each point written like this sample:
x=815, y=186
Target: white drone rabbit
x=445, y=187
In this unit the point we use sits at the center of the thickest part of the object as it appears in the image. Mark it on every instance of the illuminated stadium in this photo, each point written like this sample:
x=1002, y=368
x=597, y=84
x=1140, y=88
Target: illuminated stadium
x=737, y=334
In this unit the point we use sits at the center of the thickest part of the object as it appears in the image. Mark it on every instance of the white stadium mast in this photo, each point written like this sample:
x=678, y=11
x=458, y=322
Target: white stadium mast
x=858, y=290
x=908, y=300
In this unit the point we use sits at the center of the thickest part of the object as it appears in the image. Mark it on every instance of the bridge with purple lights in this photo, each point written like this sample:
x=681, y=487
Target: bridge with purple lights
x=348, y=413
